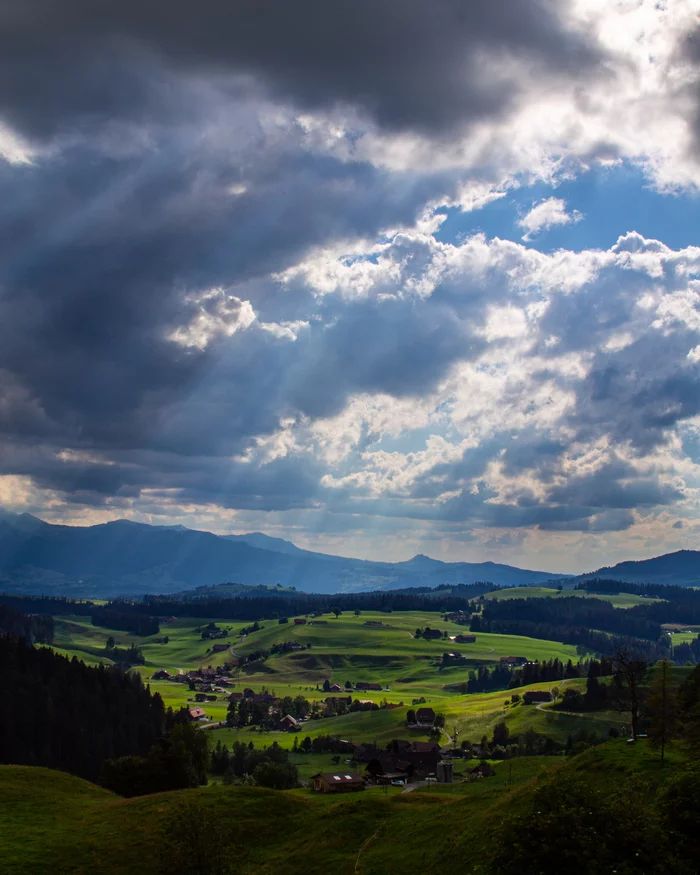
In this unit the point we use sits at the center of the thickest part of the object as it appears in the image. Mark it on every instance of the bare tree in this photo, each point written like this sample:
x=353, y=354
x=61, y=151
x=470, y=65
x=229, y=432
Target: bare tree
x=629, y=672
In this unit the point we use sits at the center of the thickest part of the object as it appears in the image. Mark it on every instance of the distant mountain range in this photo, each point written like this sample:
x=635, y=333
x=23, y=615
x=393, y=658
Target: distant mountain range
x=132, y=559
x=127, y=558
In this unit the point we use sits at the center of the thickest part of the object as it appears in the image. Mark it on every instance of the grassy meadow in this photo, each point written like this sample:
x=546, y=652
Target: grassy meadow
x=618, y=600
x=345, y=649
x=54, y=824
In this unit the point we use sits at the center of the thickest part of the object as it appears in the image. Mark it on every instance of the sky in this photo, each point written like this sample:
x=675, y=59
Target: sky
x=379, y=278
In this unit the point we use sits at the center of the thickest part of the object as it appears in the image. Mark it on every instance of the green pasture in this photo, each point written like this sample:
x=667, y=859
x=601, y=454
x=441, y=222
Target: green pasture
x=618, y=600
x=343, y=649
x=55, y=824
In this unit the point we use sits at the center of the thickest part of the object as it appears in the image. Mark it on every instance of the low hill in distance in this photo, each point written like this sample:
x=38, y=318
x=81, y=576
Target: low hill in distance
x=127, y=558
x=680, y=569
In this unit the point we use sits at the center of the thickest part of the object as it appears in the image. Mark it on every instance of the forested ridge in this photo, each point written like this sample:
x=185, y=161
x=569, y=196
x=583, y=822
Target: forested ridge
x=32, y=628
x=66, y=715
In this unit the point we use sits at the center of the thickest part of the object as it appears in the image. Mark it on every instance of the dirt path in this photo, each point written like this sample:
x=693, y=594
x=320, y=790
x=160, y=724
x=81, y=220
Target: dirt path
x=366, y=844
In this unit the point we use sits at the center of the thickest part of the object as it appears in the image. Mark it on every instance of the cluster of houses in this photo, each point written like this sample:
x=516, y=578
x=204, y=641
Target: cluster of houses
x=203, y=680
x=404, y=762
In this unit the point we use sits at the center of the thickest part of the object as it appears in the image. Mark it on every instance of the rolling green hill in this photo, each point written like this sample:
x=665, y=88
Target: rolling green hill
x=53, y=824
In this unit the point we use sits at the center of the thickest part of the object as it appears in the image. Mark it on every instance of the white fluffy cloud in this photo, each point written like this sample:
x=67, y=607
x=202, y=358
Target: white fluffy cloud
x=544, y=215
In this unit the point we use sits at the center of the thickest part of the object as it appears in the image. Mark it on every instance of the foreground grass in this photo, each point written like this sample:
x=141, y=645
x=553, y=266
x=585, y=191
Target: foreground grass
x=54, y=824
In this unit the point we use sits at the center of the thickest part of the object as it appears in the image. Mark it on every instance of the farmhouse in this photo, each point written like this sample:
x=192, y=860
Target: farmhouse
x=363, y=685
x=289, y=723
x=465, y=639
x=363, y=753
x=483, y=770
x=300, y=621
x=197, y=713
x=425, y=747
x=335, y=688
x=219, y=648
x=513, y=660
x=432, y=634
x=407, y=765
x=160, y=675
x=533, y=696
x=425, y=717
x=328, y=782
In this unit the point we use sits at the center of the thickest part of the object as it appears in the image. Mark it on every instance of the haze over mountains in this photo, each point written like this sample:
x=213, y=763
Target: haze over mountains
x=127, y=558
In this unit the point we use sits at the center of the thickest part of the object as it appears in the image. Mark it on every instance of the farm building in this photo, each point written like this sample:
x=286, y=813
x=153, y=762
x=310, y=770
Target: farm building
x=483, y=770
x=465, y=639
x=219, y=648
x=335, y=688
x=425, y=717
x=424, y=747
x=289, y=723
x=197, y=714
x=432, y=634
x=533, y=696
x=328, y=782
x=300, y=621
x=363, y=685
x=513, y=660
x=444, y=773
x=160, y=675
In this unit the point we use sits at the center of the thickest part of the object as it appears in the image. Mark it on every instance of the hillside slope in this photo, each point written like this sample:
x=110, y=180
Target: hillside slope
x=53, y=824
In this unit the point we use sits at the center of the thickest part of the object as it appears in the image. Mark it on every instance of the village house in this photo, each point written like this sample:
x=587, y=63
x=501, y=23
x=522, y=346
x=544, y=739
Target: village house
x=300, y=621
x=363, y=753
x=414, y=765
x=513, y=660
x=425, y=718
x=197, y=714
x=533, y=696
x=432, y=634
x=425, y=747
x=335, y=688
x=289, y=723
x=329, y=782
x=465, y=639
x=219, y=648
x=483, y=770
x=366, y=687
x=160, y=675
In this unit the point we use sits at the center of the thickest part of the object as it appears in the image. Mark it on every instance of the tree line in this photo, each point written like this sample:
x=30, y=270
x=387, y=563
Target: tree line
x=590, y=624
x=33, y=628
x=66, y=715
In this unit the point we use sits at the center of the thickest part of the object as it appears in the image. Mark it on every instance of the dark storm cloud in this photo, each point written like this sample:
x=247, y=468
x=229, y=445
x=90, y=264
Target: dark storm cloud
x=96, y=255
x=410, y=64
x=638, y=394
